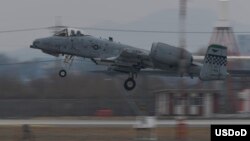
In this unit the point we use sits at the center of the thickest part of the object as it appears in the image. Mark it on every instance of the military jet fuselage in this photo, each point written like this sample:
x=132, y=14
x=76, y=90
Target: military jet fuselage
x=118, y=57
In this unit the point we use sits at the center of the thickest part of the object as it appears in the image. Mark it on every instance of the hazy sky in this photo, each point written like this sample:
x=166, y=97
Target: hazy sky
x=89, y=12
x=15, y=14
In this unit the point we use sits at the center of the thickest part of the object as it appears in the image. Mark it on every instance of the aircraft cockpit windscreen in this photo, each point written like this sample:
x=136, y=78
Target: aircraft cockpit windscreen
x=62, y=33
x=69, y=32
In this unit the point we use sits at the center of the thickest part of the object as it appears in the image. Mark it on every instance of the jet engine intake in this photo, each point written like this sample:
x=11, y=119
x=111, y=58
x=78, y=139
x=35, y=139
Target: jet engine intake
x=167, y=56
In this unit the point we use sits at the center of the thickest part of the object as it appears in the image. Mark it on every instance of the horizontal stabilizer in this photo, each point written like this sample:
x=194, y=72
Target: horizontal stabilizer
x=215, y=63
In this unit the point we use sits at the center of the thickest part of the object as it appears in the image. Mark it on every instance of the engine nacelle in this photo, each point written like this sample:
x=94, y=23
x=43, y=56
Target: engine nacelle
x=166, y=56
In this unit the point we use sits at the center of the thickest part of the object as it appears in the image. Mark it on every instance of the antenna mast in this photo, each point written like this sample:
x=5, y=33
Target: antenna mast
x=182, y=22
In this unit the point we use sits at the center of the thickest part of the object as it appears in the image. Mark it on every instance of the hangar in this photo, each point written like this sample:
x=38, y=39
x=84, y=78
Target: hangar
x=190, y=102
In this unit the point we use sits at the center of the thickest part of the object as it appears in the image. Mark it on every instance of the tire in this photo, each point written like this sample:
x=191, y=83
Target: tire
x=129, y=84
x=62, y=73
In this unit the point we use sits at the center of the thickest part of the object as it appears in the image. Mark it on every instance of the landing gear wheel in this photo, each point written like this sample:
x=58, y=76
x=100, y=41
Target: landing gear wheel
x=129, y=84
x=62, y=73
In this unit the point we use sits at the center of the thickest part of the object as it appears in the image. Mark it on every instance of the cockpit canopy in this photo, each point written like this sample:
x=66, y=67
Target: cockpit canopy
x=69, y=32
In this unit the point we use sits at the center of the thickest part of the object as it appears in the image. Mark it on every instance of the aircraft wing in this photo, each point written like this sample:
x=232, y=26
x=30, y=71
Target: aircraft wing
x=129, y=60
x=171, y=73
x=150, y=72
x=135, y=60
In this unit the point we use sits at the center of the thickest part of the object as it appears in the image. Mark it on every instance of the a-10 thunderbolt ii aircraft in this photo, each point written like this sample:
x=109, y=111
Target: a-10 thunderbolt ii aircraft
x=163, y=58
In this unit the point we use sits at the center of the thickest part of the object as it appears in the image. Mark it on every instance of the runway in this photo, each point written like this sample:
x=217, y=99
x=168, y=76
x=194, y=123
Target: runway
x=115, y=123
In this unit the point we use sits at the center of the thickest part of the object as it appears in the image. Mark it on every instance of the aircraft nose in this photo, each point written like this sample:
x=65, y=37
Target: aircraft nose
x=35, y=44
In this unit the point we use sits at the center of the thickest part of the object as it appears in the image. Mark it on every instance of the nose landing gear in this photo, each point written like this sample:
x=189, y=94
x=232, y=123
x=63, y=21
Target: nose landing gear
x=62, y=73
x=67, y=64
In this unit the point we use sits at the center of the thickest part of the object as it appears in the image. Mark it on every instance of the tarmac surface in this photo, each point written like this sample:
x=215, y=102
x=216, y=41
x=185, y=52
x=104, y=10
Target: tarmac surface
x=116, y=123
x=107, y=129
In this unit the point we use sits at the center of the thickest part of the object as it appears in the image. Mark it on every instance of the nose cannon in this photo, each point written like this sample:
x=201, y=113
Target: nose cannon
x=35, y=44
x=32, y=46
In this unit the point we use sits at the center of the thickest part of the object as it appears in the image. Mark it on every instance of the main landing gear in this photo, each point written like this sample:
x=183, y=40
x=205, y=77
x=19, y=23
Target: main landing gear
x=130, y=83
x=66, y=64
